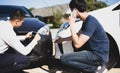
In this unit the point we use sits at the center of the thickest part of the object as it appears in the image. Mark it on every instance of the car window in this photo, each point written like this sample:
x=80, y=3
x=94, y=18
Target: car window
x=27, y=12
x=117, y=7
x=2, y=15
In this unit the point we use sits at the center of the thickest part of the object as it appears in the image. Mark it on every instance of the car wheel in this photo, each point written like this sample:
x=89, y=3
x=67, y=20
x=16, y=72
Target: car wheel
x=113, y=53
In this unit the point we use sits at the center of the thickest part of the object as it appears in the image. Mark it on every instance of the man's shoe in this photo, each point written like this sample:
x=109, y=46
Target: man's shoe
x=101, y=69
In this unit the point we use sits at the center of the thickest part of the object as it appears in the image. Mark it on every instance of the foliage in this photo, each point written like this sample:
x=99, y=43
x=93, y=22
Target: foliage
x=32, y=8
x=94, y=4
x=56, y=19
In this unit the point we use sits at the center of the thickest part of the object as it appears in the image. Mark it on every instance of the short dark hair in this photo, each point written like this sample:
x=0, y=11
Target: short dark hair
x=78, y=4
x=17, y=14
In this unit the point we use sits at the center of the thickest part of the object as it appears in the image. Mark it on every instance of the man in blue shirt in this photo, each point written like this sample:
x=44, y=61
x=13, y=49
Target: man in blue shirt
x=94, y=59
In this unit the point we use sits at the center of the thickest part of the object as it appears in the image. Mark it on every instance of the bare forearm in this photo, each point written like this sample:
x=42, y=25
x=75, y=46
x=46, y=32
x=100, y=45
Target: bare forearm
x=78, y=40
x=74, y=36
x=60, y=40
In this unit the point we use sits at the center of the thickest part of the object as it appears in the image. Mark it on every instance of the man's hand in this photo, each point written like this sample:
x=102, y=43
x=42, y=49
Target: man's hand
x=28, y=35
x=60, y=40
x=72, y=18
x=37, y=37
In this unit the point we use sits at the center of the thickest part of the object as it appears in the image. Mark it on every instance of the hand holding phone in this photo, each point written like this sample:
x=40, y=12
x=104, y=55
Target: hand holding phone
x=72, y=17
x=28, y=35
x=73, y=14
x=37, y=37
x=33, y=33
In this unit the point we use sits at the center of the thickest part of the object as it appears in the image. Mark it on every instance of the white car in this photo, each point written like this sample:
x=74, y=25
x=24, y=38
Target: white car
x=109, y=17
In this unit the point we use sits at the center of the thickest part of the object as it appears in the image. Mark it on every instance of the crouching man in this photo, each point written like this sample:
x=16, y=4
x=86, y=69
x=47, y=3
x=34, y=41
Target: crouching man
x=15, y=58
x=94, y=59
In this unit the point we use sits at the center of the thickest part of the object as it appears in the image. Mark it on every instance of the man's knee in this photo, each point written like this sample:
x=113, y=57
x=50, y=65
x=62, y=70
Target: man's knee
x=22, y=61
x=64, y=59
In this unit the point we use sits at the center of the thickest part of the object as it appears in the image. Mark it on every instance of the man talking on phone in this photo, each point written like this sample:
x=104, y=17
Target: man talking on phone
x=93, y=59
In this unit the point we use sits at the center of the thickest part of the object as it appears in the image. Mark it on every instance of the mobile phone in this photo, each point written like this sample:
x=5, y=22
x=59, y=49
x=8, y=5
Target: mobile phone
x=33, y=33
x=73, y=13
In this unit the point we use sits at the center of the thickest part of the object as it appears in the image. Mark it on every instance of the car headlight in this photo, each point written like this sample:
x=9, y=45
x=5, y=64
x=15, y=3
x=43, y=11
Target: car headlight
x=44, y=30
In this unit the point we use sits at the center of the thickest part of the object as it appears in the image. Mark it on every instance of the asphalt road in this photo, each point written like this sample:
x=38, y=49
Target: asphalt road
x=39, y=70
x=56, y=67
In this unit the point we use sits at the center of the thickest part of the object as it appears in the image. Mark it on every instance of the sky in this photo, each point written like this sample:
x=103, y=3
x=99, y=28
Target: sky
x=43, y=3
x=109, y=2
x=34, y=3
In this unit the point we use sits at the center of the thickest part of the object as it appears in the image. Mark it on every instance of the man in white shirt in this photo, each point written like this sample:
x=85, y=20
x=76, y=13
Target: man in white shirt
x=16, y=60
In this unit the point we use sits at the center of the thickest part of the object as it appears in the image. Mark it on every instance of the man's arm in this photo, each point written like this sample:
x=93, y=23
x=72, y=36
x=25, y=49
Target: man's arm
x=78, y=40
x=60, y=40
x=23, y=37
x=11, y=39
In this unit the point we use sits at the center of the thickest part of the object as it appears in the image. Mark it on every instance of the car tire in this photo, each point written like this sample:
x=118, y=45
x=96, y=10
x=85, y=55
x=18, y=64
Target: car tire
x=113, y=53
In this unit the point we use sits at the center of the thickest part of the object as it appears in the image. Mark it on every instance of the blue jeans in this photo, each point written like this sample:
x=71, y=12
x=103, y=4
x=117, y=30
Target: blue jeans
x=84, y=60
x=13, y=61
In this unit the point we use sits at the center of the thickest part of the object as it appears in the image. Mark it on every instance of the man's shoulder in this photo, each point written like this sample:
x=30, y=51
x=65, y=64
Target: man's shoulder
x=4, y=26
x=3, y=23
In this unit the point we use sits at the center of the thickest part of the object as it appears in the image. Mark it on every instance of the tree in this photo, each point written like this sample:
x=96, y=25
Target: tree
x=94, y=4
x=56, y=21
x=32, y=8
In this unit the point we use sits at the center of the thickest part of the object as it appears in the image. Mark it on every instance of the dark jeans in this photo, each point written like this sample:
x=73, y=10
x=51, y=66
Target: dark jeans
x=84, y=60
x=12, y=61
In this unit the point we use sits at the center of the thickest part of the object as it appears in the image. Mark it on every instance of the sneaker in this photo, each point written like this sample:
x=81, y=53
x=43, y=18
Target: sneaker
x=101, y=69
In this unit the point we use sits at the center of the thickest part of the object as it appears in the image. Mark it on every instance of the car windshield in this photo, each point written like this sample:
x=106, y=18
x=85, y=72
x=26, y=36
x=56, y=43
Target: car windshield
x=117, y=8
x=6, y=10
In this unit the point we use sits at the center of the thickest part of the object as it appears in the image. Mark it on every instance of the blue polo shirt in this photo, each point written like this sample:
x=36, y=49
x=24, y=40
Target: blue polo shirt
x=98, y=41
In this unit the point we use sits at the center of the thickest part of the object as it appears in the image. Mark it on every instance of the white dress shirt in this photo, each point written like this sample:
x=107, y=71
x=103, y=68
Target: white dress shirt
x=8, y=38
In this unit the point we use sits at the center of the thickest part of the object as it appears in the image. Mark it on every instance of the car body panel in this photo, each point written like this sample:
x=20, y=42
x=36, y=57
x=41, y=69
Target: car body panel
x=30, y=24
